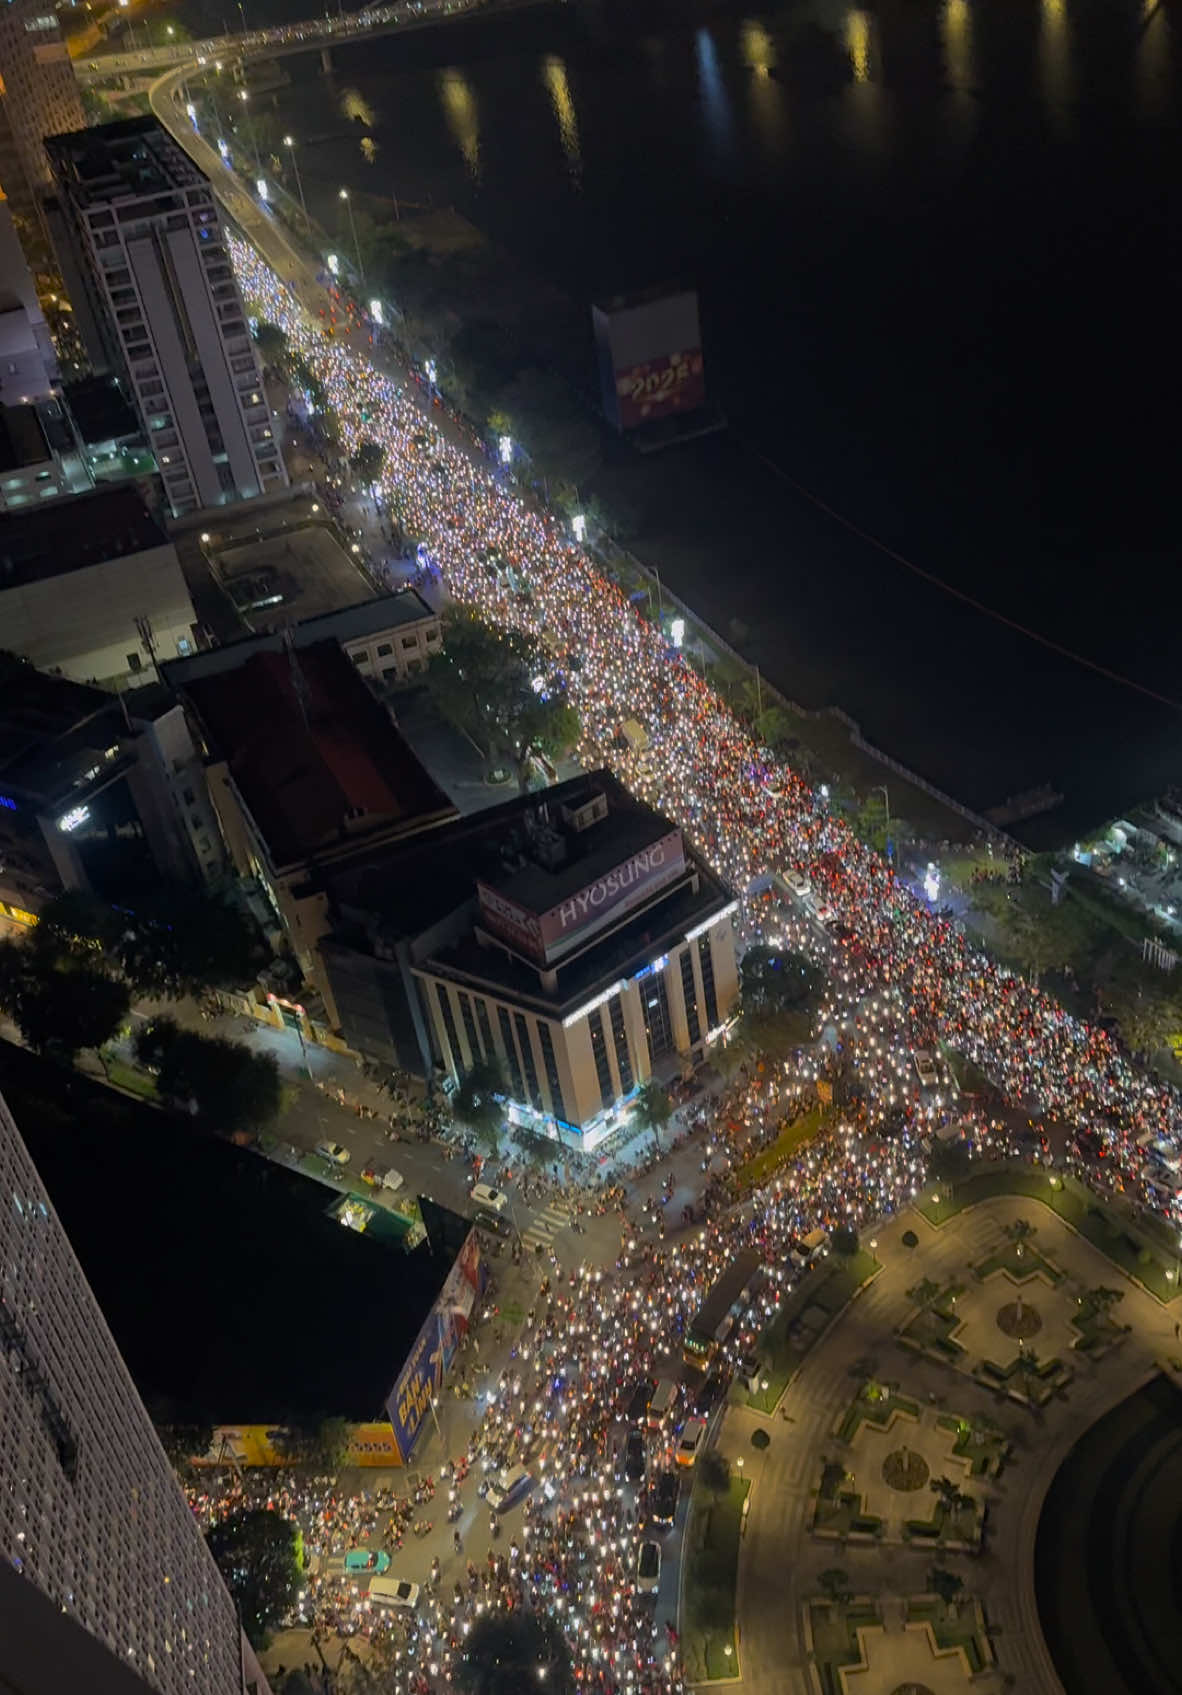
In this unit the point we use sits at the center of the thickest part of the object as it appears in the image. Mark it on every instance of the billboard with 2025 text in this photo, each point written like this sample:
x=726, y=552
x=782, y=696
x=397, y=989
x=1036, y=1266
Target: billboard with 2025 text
x=660, y=387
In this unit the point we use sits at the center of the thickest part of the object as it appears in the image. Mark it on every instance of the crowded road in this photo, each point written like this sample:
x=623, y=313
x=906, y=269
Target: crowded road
x=899, y=981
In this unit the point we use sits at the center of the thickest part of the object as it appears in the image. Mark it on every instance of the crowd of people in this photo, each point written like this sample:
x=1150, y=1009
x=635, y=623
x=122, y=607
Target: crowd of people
x=898, y=978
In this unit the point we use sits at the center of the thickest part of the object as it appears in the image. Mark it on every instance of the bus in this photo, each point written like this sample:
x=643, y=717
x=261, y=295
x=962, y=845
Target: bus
x=712, y=1322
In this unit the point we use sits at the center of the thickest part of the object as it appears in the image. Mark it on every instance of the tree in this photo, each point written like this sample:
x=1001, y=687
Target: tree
x=946, y=1585
x=1020, y=1231
x=947, y=1490
x=507, y=1652
x=368, y=460
x=653, y=1107
x=714, y=1472
x=177, y=941
x=547, y=419
x=948, y=1162
x=922, y=1294
x=777, y=979
x=260, y=1556
x=61, y=1003
x=1102, y=1299
x=774, y=728
x=1030, y=1370
x=477, y=1101
x=230, y=1087
x=332, y=1443
x=1146, y=1004
x=835, y=1585
x=844, y=1241
x=496, y=687
x=272, y=343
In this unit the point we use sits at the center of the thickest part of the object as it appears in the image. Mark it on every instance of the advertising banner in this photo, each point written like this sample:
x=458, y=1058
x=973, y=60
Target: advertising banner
x=264, y=1444
x=421, y=1380
x=660, y=387
x=613, y=894
x=514, y=923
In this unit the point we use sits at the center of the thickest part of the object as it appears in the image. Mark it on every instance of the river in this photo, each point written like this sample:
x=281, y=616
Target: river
x=937, y=247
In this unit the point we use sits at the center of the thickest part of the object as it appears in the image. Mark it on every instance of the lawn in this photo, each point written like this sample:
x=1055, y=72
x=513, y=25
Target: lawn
x=129, y=1077
x=786, y=1341
x=834, y=1631
x=756, y=1171
x=1020, y=1260
x=963, y=1628
x=874, y=1405
x=712, y=1568
x=1135, y=1249
x=979, y=1441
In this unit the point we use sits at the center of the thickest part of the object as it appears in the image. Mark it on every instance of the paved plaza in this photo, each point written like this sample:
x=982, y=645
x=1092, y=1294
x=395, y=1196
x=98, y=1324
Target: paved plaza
x=781, y=1560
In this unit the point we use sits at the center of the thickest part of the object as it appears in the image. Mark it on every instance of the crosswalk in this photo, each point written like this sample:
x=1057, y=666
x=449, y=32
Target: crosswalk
x=546, y=1225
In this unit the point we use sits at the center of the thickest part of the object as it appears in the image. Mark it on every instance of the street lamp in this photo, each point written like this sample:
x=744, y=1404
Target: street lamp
x=289, y=143
x=244, y=96
x=579, y=525
x=344, y=195
x=881, y=789
x=505, y=447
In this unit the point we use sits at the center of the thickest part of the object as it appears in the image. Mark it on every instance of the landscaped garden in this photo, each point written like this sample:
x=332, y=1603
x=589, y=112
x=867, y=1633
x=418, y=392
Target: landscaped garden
x=711, y=1554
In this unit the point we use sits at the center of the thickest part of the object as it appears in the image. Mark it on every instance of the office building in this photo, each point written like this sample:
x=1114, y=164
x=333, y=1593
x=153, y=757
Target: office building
x=38, y=97
x=28, y=362
x=144, y=254
x=571, y=937
x=97, y=794
x=92, y=588
x=91, y=1516
x=306, y=770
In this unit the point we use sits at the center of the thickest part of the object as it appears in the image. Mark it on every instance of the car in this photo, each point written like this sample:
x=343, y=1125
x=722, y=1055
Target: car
x=648, y=1568
x=797, y=882
x=333, y=1152
x=692, y=1434
x=376, y=1560
x=492, y=1221
x=665, y=1493
x=391, y=1179
x=711, y=1392
x=925, y=1068
x=635, y=1457
x=507, y=1487
x=394, y=1592
x=635, y=1400
x=494, y=1199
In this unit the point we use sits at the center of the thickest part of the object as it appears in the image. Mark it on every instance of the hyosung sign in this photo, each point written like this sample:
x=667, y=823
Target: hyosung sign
x=569, y=922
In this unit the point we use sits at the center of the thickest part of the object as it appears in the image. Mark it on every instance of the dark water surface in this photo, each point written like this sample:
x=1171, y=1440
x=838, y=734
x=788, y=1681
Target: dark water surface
x=938, y=251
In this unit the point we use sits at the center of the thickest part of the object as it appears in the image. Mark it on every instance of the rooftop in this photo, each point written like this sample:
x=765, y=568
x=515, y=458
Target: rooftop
x=316, y=758
x=101, y=411
x=351, y=623
x=130, y=158
x=47, y=724
x=70, y=535
x=231, y=1293
x=22, y=440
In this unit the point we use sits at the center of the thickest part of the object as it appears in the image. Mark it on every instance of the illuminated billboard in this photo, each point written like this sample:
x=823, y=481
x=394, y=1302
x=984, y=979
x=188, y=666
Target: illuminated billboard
x=546, y=936
x=420, y=1382
x=650, y=358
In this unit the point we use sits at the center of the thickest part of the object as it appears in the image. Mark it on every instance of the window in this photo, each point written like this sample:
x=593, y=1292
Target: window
x=469, y=1024
x=603, y=1070
x=134, y=662
x=546, y=1042
x=449, y=1024
x=527, y=1059
x=486, y=1035
x=620, y=1038
x=691, y=997
x=361, y=658
x=410, y=641
x=510, y=1047
x=706, y=961
x=384, y=650
x=654, y=1002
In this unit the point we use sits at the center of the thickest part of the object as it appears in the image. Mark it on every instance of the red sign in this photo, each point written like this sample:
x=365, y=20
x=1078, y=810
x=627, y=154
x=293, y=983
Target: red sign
x=625, y=886
x=659, y=387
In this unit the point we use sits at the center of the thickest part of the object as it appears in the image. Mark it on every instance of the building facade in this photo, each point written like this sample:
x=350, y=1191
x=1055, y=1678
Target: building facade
x=90, y=1513
x=570, y=937
x=38, y=97
x=143, y=239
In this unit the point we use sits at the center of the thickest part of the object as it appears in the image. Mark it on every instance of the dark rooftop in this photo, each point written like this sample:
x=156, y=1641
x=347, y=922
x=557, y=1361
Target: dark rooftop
x=128, y=157
x=101, y=411
x=231, y=1293
x=317, y=772
x=69, y=535
x=22, y=440
x=44, y=721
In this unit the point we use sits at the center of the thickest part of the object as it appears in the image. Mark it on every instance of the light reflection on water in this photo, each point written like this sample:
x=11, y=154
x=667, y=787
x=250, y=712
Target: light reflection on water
x=558, y=87
x=463, y=119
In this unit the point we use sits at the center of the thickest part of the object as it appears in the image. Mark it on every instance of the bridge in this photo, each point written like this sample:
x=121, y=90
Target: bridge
x=309, y=35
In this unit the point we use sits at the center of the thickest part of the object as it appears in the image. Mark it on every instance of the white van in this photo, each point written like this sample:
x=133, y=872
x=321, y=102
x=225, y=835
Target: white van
x=664, y=1395
x=394, y=1592
x=495, y=1199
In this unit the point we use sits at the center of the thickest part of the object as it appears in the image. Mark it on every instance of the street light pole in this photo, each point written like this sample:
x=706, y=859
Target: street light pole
x=353, y=229
x=289, y=143
x=244, y=96
x=881, y=788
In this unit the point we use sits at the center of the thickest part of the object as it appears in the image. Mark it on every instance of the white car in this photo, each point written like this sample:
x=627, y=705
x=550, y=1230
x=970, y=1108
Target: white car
x=691, y=1440
x=333, y=1152
x=505, y=1489
x=394, y=1592
x=648, y=1569
x=925, y=1069
x=495, y=1199
x=392, y=1180
x=798, y=883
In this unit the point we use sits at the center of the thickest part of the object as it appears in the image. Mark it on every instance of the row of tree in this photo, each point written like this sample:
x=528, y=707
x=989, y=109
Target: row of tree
x=222, y=1082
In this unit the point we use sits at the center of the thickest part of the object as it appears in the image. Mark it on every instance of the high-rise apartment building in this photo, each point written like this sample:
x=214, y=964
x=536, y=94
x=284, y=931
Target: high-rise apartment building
x=90, y=1512
x=38, y=97
x=144, y=243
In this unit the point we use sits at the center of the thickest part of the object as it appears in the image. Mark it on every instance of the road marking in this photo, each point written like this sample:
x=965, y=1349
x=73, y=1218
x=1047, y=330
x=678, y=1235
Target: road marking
x=547, y=1224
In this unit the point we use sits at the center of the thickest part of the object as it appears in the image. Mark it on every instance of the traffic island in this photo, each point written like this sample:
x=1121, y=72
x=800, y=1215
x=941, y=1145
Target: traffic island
x=804, y=1318
x=709, y=1633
